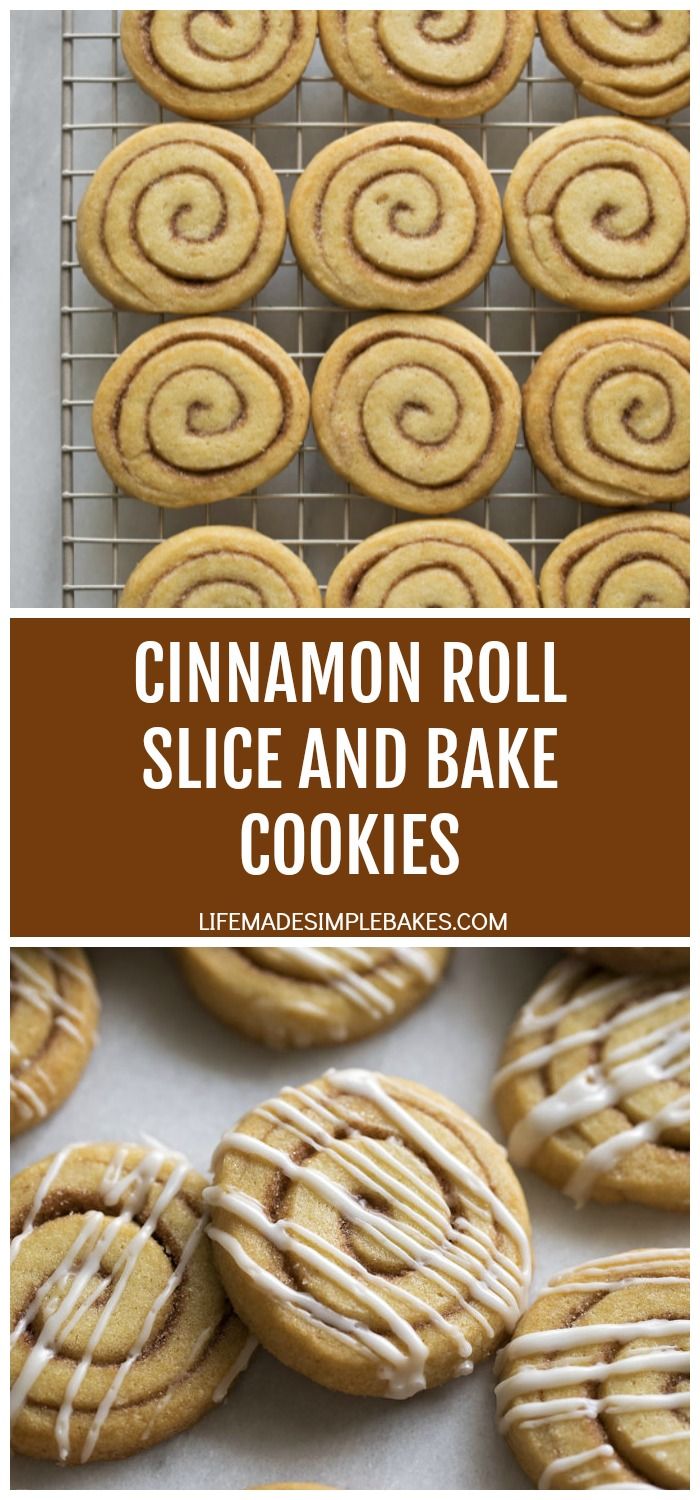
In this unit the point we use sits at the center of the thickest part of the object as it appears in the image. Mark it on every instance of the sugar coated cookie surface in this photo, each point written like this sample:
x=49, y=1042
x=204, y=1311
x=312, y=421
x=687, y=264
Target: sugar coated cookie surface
x=183, y=219
x=636, y=61
x=221, y=567
x=639, y=561
x=433, y=565
x=217, y=64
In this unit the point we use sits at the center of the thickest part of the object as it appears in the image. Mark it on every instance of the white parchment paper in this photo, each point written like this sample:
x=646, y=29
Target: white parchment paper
x=166, y=1067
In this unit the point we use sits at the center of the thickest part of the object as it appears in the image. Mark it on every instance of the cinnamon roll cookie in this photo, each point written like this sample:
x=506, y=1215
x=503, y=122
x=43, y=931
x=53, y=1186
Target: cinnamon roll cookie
x=637, y=61
x=593, y=1390
x=181, y=219
x=217, y=64
x=396, y=216
x=121, y=1332
x=416, y=411
x=221, y=567
x=307, y=997
x=623, y=562
x=447, y=64
x=372, y=1233
x=432, y=565
x=640, y=960
x=597, y=215
x=54, y=1011
x=607, y=412
x=199, y=410
x=593, y=1089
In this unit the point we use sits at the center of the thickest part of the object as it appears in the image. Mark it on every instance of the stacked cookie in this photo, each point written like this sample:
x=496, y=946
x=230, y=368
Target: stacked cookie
x=400, y=219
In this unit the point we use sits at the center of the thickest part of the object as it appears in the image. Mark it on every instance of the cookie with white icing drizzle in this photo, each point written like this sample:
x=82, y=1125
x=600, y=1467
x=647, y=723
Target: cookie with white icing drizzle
x=306, y=997
x=593, y=1389
x=639, y=960
x=121, y=1333
x=593, y=1090
x=54, y=1011
x=373, y=1235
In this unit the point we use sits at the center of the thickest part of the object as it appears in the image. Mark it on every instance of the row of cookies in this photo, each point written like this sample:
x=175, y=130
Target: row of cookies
x=228, y=65
x=191, y=219
x=373, y=1237
x=623, y=562
x=416, y=412
x=590, y=1041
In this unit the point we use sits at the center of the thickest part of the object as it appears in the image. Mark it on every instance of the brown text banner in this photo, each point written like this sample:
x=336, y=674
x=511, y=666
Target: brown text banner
x=350, y=776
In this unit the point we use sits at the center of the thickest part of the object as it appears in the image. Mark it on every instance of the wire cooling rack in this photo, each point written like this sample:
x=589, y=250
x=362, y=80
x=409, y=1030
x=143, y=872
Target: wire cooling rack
x=307, y=506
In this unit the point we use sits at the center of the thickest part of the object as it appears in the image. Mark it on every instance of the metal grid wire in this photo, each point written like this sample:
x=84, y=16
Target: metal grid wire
x=307, y=506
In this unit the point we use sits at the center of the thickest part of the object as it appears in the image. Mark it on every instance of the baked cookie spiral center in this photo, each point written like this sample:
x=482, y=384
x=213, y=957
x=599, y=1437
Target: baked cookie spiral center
x=425, y=412
x=612, y=216
x=443, y=47
x=197, y=222
x=224, y=49
x=633, y=411
x=199, y=390
x=408, y=211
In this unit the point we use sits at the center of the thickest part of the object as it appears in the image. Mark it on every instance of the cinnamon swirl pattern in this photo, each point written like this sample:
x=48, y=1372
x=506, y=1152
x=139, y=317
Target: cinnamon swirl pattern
x=121, y=1332
x=199, y=410
x=593, y=1090
x=218, y=64
x=306, y=997
x=607, y=412
x=637, y=61
x=373, y=1235
x=220, y=567
x=432, y=565
x=597, y=215
x=622, y=562
x=396, y=216
x=416, y=411
x=443, y=63
x=54, y=1010
x=182, y=219
x=593, y=1390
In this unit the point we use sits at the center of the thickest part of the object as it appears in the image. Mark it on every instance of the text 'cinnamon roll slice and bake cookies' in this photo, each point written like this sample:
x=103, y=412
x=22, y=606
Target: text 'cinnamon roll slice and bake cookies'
x=597, y=215
x=121, y=1332
x=441, y=63
x=182, y=219
x=606, y=412
x=593, y=1090
x=54, y=1012
x=433, y=565
x=221, y=567
x=305, y=997
x=199, y=410
x=400, y=216
x=416, y=411
x=372, y=1234
x=218, y=64
x=594, y=1388
x=636, y=61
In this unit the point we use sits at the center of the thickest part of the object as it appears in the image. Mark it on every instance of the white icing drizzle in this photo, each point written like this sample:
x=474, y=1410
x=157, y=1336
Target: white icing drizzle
x=458, y=1257
x=82, y=1264
x=335, y=967
x=610, y=1274
x=35, y=989
x=657, y=1056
